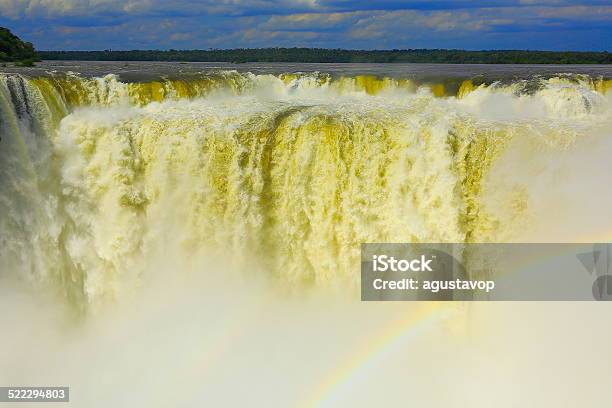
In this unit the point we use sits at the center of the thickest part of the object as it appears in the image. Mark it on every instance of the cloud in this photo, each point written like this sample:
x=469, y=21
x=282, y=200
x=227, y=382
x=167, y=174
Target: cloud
x=62, y=8
x=470, y=24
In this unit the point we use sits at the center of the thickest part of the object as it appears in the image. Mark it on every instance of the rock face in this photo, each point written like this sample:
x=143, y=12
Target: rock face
x=13, y=49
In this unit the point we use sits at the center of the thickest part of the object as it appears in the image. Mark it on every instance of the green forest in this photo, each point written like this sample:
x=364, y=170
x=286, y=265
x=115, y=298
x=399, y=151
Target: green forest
x=242, y=55
x=12, y=49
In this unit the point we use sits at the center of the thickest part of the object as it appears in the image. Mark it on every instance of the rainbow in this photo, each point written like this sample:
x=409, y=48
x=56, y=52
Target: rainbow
x=415, y=319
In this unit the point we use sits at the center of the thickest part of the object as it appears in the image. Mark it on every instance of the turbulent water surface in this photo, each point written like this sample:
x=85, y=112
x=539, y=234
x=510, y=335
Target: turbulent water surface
x=112, y=173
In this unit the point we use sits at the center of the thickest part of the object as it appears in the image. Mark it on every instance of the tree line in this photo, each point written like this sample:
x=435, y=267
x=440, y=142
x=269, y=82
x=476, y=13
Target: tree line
x=243, y=55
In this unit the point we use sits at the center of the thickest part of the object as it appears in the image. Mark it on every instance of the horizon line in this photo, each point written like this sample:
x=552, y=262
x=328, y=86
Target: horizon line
x=330, y=49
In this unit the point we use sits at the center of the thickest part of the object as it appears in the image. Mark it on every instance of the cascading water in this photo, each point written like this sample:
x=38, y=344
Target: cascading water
x=293, y=170
x=168, y=214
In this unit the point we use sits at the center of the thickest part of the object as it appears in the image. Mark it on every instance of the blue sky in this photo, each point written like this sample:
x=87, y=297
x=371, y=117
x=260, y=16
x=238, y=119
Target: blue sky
x=363, y=24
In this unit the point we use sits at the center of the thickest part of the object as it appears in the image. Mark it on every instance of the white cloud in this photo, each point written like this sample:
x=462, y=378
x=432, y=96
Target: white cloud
x=58, y=8
x=100, y=24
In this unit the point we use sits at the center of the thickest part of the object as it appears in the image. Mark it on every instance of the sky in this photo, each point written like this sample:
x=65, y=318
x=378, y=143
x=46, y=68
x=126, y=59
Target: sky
x=352, y=24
